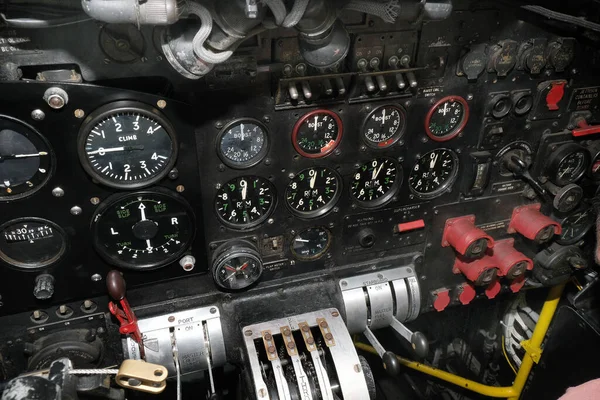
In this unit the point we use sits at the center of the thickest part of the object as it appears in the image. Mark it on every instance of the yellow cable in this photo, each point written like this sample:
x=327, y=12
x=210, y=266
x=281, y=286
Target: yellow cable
x=506, y=356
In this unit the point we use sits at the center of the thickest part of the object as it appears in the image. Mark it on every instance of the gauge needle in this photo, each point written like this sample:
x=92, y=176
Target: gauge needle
x=445, y=109
x=383, y=117
x=312, y=181
x=227, y=267
x=242, y=130
x=244, y=190
x=565, y=171
x=244, y=266
x=302, y=240
x=433, y=161
x=316, y=120
x=149, y=244
x=13, y=156
x=142, y=209
x=377, y=171
x=115, y=149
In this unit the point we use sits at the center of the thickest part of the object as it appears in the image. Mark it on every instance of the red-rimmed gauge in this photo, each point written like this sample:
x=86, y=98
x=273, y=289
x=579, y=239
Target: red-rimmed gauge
x=447, y=118
x=317, y=133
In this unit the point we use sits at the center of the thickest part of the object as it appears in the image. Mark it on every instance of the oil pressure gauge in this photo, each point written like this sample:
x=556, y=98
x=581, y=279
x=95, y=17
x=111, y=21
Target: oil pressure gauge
x=447, y=118
x=143, y=230
x=317, y=133
x=243, y=143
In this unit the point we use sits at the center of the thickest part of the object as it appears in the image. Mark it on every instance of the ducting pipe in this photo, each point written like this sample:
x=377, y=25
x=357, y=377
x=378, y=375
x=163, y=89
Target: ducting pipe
x=149, y=12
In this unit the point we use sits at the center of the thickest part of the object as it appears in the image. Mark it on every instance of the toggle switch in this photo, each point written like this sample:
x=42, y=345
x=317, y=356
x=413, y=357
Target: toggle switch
x=468, y=240
x=530, y=222
x=409, y=226
x=584, y=129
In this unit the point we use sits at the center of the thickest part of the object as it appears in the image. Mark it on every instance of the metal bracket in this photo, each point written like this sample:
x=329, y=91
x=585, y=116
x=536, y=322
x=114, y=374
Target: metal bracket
x=532, y=351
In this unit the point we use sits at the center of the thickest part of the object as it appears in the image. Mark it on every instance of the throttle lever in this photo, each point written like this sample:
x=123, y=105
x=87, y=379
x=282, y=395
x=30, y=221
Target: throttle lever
x=521, y=170
x=128, y=322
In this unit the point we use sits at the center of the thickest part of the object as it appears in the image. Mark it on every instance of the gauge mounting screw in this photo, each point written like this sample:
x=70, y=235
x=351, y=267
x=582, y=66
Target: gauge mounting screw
x=95, y=201
x=76, y=210
x=58, y=192
x=79, y=113
x=161, y=104
x=38, y=115
x=174, y=174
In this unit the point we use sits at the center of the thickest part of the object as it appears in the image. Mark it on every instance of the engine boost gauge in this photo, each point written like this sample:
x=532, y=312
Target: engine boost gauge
x=576, y=226
x=243, y=143
x=26, y=160
x=31, y=243
x=317, y=133
x=375, y=182
x=447, y=118
x=245, y=202
x=384, y=126
x=236, y=265
x=433, y=173
x=313, y=192
x=143, y=230
x=567, y=164
x=311, y=244
x=127, y=145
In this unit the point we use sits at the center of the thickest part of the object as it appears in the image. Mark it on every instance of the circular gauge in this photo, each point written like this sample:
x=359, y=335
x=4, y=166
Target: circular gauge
x=245, y=202
x=243, y=143
x=143, y=230
x=236, y=265
x=433, y=173
x=313, y=192
x=567, y=198
x=567, y=164
x=447, y=118
x=384, y=126
x=31, y=243
x=375, y=182
x=127, y=145
x=26, y=159
x=122, y=43
x=317, y=133
x=576, y=226
x=311, y=244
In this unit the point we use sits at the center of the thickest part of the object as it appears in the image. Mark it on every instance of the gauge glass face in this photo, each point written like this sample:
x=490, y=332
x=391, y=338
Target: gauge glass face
x=576, y=225
x=384, y=127
x=245, y=202
x=311, y=244
x=26, y=160
x=433, y=173
x=131, y=148
x=317, y=133
x=446, y=118
x=375, y=182
x=595, y=169
x=571, y=168
x=143, y=230
x=313, y=192
x=243, y=144
x=238, y=271
x=31, y=243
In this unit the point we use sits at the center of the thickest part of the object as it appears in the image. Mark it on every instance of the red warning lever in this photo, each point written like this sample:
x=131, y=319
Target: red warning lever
x=531, y=223
x=584, y=129
x=462, y=234
x=127, y=319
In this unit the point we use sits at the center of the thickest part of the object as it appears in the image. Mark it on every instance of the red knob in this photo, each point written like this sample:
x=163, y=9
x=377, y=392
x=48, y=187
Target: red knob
x=531, y=223
x=481, y=272
x=512, y=264
x=442, y=299
x=462, y=234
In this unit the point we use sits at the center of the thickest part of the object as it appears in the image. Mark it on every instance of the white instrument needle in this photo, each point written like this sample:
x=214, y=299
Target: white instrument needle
x=433, y=161
x=109, y=150
x=376, y=171
x=312, y=180
x=244, y=190
x=316, y=119
x=242, y=130
x=142, y=209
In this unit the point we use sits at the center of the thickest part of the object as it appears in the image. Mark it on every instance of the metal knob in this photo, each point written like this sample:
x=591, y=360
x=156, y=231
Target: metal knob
x=44, y=287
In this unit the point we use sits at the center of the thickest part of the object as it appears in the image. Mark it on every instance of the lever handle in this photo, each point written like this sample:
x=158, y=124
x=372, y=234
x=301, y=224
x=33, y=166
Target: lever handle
x=390, y=362
x=584, y=129
x=115, y=285
x=520, y=168
x=417, y=340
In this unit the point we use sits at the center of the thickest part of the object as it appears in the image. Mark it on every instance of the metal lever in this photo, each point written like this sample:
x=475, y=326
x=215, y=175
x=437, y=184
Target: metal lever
x=390, y=362
x=417, y=339
x=116, y=289
x=584, y=129
x=521, y=170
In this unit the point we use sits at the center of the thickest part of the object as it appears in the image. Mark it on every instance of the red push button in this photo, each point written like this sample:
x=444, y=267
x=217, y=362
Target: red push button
x=442, y=299
x=555, y=95
x=409, y=226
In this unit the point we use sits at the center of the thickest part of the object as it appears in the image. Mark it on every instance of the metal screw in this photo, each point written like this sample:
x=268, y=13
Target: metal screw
x=96, y=277
x=218, y=124
x=270, y=221
x=58, y=192
x=38, y=115
x=213, y=310
x=344, y=283
x=180, y=188
x=335, y=314
x=357, y=368
x=95, y=201
x=56, y=97
x=79, y=113
x=267, y=119
x=76, y=210
x=171, y=319
x=173, y=174
x=287, y=69
x=161, y=104
x=262, y=393
x=248, y=332
x=469, y=96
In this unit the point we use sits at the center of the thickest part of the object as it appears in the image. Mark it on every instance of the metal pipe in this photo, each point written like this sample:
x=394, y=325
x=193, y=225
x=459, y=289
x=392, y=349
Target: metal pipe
x=532, y=348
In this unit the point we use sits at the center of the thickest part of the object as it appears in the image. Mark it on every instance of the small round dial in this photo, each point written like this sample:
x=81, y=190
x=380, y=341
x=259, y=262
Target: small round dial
x=433, y=173
x=143, y=230
x=311, y=243
x=313, y=192
x=31, y=243
x=384, y=126
x=127, y=145
x=375, y=182
x=576, y=226
x=245, y=202
x=243, y=143
x=567, y=164
x=447, y=118
x=236, y=265
x=317, y=133
x=26, y=160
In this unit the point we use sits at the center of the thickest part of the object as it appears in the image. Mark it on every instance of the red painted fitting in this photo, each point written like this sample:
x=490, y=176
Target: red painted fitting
x=512, y=264
x=467, y=293
x=493, y=289
x=442, y=299
x=462, y=234
x=481, y=272
x=517, y=284
x=531, y=223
